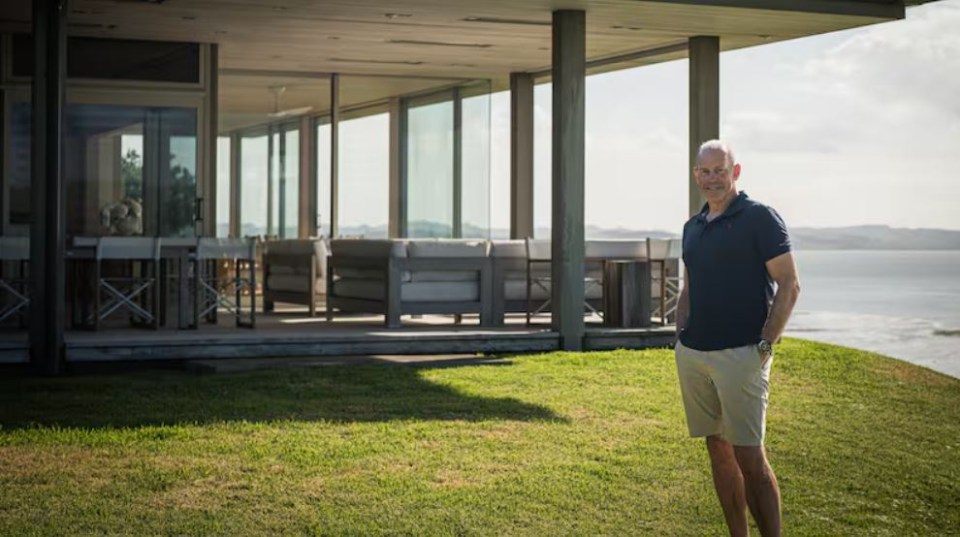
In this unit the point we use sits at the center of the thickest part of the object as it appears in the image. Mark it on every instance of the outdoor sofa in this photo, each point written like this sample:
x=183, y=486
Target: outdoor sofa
x=397, y=277
x=294, y=271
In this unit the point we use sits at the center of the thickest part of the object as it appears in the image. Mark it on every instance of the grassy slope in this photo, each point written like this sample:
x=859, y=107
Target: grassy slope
x=570, y=444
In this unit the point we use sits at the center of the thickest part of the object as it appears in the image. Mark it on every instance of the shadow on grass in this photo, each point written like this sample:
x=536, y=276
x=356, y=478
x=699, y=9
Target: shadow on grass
x=336, y=393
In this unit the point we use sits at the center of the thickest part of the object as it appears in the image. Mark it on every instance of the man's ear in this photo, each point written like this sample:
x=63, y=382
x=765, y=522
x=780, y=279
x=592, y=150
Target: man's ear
x=736, y=172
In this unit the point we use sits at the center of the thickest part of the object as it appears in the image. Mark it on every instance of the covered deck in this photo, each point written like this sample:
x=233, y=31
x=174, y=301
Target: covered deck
x=231, y=118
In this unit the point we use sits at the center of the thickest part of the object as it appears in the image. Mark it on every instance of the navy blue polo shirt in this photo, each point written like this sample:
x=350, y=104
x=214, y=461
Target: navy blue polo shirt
x=729, y=288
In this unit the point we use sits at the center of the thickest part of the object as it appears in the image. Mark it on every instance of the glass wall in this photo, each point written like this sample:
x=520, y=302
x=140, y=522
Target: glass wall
x=289, y=187
x=475, y=163
x=253, y=185
x=448, y=163
x=430, y=166
x=270, y=181
x=224, y=189
x=323, y=177
x=364, y=176
x=128, y=170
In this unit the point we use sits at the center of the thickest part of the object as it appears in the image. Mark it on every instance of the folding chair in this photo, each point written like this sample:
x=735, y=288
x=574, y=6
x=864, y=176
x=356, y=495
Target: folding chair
x=14, y=288
x=212, y=292
x=538, y=279
x=129, y=292
x=664, y=256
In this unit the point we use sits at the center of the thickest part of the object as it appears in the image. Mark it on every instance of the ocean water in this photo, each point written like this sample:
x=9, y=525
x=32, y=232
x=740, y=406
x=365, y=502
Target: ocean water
x=904, y=304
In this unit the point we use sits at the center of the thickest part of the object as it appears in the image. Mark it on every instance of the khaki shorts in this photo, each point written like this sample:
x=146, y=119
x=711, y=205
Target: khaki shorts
x=725, y=392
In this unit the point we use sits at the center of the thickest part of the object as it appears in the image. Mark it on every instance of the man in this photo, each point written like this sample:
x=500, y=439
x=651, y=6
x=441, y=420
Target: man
x=729, y=317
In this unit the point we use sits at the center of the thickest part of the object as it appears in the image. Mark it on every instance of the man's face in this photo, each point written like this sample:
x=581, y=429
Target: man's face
x=716, y=177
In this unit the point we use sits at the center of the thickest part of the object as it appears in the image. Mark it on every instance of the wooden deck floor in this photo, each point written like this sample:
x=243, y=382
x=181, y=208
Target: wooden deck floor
x=292, y=333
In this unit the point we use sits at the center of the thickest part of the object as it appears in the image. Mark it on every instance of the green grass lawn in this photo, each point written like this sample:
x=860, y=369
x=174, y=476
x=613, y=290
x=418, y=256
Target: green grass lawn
x=554, y=444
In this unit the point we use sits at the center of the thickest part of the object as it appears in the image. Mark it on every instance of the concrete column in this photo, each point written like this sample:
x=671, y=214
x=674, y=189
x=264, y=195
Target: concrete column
x=569, y=78
x=47, y=232
x=521, y=155
x=395, y=220
x=308, y=179
x=704, y=105
x=208, y=180
x=334, y=154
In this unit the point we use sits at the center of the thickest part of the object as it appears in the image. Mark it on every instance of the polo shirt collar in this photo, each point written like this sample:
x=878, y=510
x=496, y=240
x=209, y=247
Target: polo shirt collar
x=737, y=205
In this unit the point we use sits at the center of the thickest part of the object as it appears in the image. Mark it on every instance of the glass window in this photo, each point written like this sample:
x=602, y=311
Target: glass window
x=475, y=165
x=542, y=160
x=223, y=186
x=253, y=185
x=128, y=170
x=323, y=179
x=364, y=176
x=290, y=185
x=430, y=169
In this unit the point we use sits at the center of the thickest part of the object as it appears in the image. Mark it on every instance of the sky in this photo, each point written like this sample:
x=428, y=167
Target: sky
x=848, y=128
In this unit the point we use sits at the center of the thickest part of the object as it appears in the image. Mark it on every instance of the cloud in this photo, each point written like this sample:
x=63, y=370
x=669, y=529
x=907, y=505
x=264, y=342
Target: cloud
x=903, y=68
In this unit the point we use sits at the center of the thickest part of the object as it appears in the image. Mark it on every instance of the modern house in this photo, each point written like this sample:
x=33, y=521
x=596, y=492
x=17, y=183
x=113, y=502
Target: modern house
x=244, y=117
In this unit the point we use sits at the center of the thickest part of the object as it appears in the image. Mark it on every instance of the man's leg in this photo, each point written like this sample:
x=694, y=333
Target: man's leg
x=728, y=482
x=761, y=488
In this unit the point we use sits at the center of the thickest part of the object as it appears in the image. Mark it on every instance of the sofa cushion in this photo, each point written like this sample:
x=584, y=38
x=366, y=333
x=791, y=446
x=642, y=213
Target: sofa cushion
x=410, y=291
x=317, y=247
x=508, y=248
x=368, y=247
x=293, y=282
x=615, y=249
x=446, y=248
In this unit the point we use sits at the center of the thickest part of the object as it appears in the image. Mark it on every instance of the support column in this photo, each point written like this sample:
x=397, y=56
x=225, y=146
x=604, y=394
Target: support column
x=521, y=155
x=47, y=308
x=235, y=193
x=282, y=215
x=207, y=204
x=457, y=164
x=334, y=154
x=308, y=223
x=569, y=78
x=704, y=52
x=397, y=160
x=271, y=191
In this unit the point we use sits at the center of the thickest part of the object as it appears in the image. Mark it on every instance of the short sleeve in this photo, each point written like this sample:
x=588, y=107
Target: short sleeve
x=772, y=238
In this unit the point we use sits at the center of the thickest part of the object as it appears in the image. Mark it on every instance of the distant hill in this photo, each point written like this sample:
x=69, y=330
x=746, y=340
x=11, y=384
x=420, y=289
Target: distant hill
x=874, y=238
x=804, y=238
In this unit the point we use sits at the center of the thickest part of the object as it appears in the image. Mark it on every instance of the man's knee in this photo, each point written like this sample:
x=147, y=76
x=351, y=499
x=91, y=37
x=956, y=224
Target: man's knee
x=719, y=449
x=752, y=460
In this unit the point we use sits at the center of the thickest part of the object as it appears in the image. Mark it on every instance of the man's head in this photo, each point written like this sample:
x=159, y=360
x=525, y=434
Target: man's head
x=716, y=172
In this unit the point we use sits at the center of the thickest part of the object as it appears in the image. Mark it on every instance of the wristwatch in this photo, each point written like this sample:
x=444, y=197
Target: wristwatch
x=764, y=347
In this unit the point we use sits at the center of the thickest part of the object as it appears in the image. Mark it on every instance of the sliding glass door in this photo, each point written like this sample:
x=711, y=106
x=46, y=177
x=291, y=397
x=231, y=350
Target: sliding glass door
x=128, y=170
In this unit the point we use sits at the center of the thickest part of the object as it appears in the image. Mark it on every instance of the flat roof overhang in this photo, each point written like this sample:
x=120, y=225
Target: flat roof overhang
x=440, y=42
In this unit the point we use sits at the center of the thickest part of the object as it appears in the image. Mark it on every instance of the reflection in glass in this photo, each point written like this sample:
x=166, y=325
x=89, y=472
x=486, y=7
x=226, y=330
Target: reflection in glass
x=18, y=170
x=130, y=170
x=430, y=170
x=364, y=176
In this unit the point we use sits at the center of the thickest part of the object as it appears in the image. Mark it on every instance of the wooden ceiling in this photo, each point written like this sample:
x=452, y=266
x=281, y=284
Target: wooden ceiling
x=431, y=42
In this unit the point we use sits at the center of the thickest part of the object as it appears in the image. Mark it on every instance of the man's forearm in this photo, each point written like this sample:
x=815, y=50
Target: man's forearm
x=783, y=302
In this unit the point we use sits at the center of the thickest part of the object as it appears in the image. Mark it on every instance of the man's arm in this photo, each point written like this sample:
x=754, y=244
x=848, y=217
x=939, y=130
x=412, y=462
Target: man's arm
x=683, y=303
x=783, y=270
